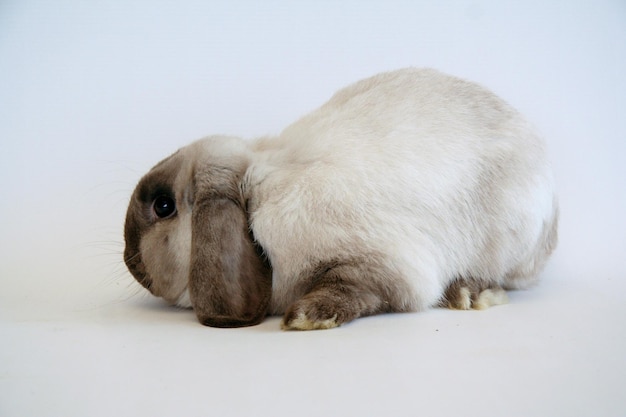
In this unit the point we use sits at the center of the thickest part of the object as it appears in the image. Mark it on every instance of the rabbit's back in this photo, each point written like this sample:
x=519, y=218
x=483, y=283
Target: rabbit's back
x=437, y=174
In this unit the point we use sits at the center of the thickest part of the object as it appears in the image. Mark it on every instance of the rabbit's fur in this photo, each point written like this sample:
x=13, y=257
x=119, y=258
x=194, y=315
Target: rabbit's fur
x=406, y=190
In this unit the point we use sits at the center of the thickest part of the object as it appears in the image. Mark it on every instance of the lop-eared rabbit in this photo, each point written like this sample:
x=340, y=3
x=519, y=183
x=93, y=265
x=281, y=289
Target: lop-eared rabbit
x=407, y=190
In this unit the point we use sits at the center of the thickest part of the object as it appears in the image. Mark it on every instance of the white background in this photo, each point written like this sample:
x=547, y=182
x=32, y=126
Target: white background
x=93, y=93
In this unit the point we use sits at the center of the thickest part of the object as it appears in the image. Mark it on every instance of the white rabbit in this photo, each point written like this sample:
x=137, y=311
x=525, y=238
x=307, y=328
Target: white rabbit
x=407, y=190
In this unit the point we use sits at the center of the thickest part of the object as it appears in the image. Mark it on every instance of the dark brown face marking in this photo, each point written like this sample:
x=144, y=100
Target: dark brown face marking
x=137, y=268
x=134, y=229
x=139, y=216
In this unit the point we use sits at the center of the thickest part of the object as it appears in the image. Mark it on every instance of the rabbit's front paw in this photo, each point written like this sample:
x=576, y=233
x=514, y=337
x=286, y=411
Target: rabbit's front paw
x=326, y=307
x=344, y=292
x=302, y=322
x=313, y=313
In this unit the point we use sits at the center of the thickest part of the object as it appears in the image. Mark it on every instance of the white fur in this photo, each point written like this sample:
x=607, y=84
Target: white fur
x=489, y=298
x=400, y=164
x=184, y=301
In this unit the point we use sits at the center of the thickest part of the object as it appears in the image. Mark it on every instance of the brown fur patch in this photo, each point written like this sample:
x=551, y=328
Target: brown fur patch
x=343, y=291
x=230, y=284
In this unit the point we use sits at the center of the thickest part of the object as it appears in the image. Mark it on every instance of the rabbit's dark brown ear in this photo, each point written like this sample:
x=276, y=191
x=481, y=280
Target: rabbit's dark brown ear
x=230, y=284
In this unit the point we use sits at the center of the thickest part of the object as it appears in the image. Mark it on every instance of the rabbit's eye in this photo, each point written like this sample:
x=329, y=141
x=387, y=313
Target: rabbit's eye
x=164, y=206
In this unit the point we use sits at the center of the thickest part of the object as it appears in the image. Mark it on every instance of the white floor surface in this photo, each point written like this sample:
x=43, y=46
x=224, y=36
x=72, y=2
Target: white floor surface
x=94, y=93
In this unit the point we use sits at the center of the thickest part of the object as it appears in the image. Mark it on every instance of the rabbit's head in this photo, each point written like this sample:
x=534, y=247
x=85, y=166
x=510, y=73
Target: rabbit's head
x=187, y=235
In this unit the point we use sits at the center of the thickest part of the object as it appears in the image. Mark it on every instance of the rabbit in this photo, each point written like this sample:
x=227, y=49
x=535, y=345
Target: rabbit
x=408, y=190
